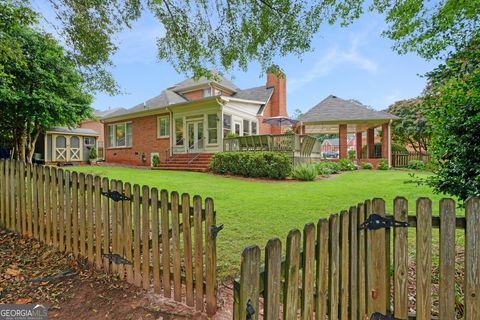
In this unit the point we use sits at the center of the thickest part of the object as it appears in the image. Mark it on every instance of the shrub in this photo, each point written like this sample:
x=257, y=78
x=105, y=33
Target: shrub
x=383, y=165
x=325, y=168
x=155, y=160
x=347, y=165
x=351, y=154
x=416, y=165
x=93, y=154
x=275, y=165
x=305, y=172
x=367, y=165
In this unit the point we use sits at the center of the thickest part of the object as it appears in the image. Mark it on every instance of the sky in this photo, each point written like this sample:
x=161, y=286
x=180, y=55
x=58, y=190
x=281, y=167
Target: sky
x=353, y=62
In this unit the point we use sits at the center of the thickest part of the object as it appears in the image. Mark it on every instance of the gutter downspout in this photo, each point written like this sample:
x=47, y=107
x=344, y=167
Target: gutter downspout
x=171, y=131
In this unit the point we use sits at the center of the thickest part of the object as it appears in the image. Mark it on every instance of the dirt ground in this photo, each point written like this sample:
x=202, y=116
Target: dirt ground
x=29, y=273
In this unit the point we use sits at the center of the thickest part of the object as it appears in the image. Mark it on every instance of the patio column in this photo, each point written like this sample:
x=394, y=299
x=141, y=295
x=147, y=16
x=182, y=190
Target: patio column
x=385, y=140
x=342, y=140
x=358, y=144
x=370, y=142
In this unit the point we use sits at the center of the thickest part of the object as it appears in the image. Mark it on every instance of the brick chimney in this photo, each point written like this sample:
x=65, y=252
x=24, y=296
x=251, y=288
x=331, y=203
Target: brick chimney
x=278, y=102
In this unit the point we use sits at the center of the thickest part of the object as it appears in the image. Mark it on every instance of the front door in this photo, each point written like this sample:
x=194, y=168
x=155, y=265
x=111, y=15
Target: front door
x=195, y=136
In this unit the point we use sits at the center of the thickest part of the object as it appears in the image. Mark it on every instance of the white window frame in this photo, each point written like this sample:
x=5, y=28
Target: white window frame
x=247, y=132
x=113, y=144
x=223, y=124
x=212, y=128
x=159, y=118
x=251, y=127
x=208, y=91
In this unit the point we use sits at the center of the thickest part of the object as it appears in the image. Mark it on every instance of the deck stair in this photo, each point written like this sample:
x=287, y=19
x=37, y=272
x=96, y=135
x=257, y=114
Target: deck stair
x=187, y=162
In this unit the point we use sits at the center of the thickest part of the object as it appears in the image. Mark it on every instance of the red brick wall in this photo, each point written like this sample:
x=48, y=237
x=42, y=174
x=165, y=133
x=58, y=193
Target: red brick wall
x=97, y=126
x=144, y=140
x=194, y=95
x=277, y=106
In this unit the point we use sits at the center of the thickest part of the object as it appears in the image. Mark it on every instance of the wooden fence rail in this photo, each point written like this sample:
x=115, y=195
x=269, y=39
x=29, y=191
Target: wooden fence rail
x=401, y=159
x=144, y=235
x=341, y=270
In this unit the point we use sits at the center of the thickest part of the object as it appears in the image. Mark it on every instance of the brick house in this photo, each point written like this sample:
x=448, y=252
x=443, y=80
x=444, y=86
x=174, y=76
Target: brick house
x=192, y=117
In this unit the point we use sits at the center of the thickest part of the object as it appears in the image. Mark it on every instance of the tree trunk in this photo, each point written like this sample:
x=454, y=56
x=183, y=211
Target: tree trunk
x=31, y=144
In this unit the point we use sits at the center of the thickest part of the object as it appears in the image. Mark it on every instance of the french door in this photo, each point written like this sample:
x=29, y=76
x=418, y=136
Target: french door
x=195, y=136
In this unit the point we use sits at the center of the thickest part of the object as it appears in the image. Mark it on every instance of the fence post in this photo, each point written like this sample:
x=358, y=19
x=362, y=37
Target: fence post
x=177, y=282
x=292, y=270
x=106, y=225
x=61, y=211
x=155, y=244
x=68, y=211
x=249, y=284
x=210, y=256
x=400, y=236
x=98, y=222
x=146, y=238
x=308, y=279
x=23, y=199
x=361, y=263
x=472, y=259
x=424, y=258
x=137, y=235
x=333, y=269
x=198, y=236
x=48, y=205
x=447, y=259
x=41, y=211
x=344, y=265
x=127, y=211
x=272, y=279
x=165, y=222
x=187, y=249
x=353, y=268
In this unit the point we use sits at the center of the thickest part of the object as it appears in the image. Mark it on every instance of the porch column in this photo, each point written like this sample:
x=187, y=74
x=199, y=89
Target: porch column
x=358, y=144
x=385, y=141
x=370, y=142
x=342, y=140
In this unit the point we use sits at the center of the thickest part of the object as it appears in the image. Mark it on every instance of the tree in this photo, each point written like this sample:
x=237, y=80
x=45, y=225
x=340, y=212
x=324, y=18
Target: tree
x=225, y=34
x=412, y=128
x=44, y=90
x=453, y=104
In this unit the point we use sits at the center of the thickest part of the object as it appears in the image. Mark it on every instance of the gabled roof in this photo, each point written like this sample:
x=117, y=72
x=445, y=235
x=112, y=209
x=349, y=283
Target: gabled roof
x=189, y=83
x=164, y=99
x=103, y=113
x=262, y=93
x=335, y=109
x=79, y=131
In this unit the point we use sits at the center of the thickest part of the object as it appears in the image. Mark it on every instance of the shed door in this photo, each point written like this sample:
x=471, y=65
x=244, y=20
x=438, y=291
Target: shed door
x=74, y=150
x=60, y=148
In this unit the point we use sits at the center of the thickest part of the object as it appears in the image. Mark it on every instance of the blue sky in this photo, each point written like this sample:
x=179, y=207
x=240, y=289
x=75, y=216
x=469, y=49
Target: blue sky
x=353, y=63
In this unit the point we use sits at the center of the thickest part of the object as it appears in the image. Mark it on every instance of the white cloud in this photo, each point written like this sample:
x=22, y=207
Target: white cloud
x=335, y=57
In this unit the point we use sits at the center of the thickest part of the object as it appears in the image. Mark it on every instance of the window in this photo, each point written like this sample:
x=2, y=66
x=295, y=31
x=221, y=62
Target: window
x=89, y=141
x=217, y=92
x=237, y=128
x=207, y=92
x=163, y=127
x=246, y=127
x=179, y=132
x=212, y=128
x=254, y=127
x=227, y=124
x=120, y=135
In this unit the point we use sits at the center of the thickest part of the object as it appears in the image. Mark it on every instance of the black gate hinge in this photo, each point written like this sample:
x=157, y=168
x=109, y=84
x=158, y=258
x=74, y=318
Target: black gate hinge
x=375, y=222
x=215, y=230
x=116, y=196
x=250, y=310
x=379, y=316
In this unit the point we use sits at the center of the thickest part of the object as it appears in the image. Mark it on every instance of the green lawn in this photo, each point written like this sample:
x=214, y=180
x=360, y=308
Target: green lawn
x=255, y=211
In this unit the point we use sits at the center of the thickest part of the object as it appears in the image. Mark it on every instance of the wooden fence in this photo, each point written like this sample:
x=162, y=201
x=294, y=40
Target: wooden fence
x=140, y=233
x=401, y=159
x=340, y=270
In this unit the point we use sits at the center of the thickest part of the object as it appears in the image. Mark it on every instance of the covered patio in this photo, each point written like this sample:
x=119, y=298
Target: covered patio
x=336, y=116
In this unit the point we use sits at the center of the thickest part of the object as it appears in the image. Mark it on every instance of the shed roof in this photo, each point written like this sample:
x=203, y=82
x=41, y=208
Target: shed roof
x=79, y=131
x=335, y=109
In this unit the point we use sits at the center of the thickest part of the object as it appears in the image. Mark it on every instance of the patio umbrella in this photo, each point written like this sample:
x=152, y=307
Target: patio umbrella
x=280, y=121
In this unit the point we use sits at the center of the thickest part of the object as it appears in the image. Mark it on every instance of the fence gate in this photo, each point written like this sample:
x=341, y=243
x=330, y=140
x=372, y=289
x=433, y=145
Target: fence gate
x=356, y=265
x=152, y=239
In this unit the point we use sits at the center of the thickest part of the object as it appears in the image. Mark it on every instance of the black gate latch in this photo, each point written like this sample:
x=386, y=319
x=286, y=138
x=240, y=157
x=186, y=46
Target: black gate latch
x=116, y=196
x=116, y=258
x=375, y=222
x=216, y=230
x=379, y=316
x=250, y=310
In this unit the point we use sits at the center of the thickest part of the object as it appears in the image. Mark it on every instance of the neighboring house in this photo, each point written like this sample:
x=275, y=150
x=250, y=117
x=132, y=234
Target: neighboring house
x=192, y=117
x=60, y=145
x=97, y=126
x=333, y=144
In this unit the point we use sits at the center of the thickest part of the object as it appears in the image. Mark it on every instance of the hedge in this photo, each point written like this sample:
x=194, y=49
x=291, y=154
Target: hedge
x=265, y=164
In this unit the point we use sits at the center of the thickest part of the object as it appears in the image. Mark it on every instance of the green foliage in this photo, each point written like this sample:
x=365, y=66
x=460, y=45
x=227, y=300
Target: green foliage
x=274, y=165
x=45, y=90
x=93, y=154
x=367, y=165
x=305, y=172
x=232, y=135
x=396, y=147
x=412, y=128
x=155, y=160
x=325, y=168
x=453, y=103
x=351, y=154
x=383, y=165
x=416, y=165
x=347, y=165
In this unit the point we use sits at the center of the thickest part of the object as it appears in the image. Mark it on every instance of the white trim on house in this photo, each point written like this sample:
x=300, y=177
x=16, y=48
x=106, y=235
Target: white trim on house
x=159, y=136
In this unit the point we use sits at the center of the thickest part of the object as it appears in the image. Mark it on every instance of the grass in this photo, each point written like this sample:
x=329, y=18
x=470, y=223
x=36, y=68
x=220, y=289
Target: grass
x=255, y=211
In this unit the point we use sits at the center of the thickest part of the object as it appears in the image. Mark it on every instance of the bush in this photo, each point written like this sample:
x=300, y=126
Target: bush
x=93, y=154
x=305, y=172
x=416, y=165
x=266, y=164
x=383, y=165
x=367, y=165
x=351, y=154
x=155, y=160
x=325, y=168
x=347, y=165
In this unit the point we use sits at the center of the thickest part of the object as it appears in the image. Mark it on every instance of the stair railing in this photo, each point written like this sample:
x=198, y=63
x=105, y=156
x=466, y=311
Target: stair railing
x=167, y=152
x=193, y=147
